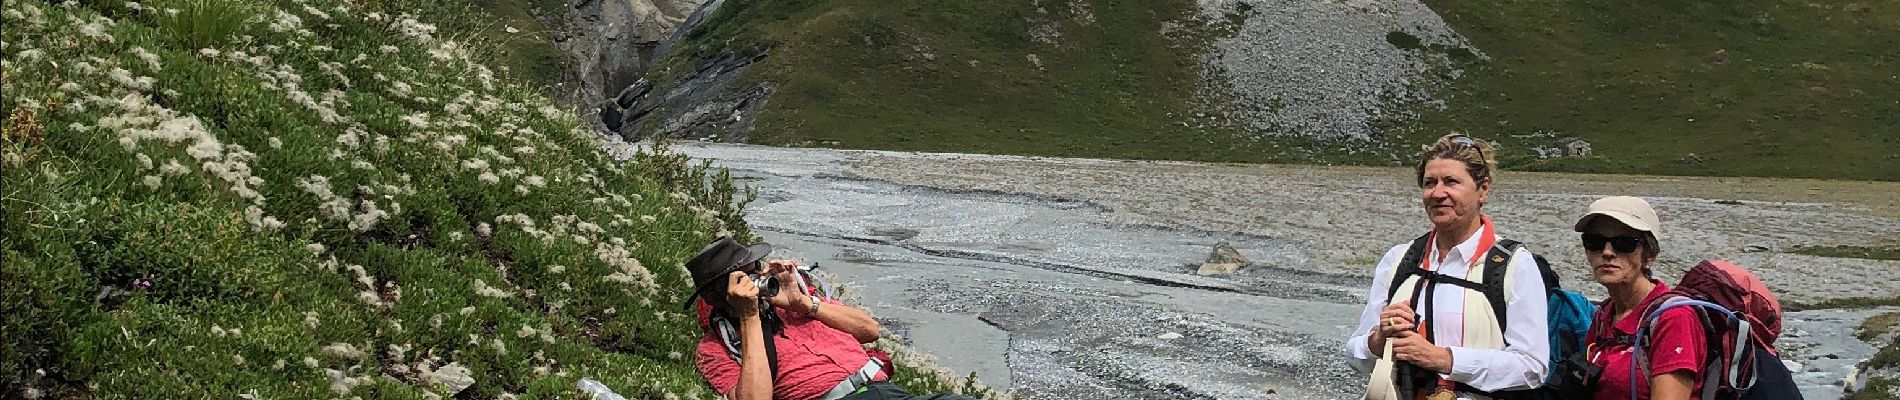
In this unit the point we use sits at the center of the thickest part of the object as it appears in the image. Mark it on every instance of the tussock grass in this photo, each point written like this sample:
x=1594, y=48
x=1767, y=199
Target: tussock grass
x=1845, y=302
x=202, y=23
x=1867, y=252
x=1881, y=388
x=1876, y=326
x=1886, y=358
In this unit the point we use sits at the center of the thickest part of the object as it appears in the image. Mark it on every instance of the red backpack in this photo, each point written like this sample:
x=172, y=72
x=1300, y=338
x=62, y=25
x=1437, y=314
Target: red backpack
x=1740, y=320
x=1733, y=287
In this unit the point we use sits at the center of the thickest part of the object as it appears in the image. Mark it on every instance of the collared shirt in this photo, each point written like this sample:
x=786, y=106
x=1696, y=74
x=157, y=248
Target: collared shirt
x=812, y=357
x=1519, y=365
x=1677, y=345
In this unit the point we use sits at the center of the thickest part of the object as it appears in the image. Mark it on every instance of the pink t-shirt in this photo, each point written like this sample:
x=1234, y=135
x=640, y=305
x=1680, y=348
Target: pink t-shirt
x=812, y=357
x=1677, y=344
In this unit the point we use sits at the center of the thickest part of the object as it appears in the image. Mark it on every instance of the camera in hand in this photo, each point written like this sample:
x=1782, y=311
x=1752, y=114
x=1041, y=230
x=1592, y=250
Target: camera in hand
x=767, y=284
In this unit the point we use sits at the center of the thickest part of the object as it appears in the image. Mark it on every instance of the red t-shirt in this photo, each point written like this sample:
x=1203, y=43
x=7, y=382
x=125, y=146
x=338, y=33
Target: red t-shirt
x=1676, y=344
x=812, y=357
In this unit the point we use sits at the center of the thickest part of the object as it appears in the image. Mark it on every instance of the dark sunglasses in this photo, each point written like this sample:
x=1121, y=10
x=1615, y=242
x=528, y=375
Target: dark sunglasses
x=1622, y=244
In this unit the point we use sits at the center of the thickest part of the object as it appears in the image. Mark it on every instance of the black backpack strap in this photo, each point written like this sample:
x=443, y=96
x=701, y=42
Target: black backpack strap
x=1492, y=288
x=729, y=336
x=1497, y=263
x=1552, y=283
x=1408, y=266
x=1602, y=329
x=1456, y=281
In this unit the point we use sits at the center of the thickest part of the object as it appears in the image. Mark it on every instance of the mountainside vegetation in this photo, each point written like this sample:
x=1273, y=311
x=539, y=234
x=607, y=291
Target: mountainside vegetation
x=329, y=199
x=1750, y=88
x=1759, y=88
x=967, y=76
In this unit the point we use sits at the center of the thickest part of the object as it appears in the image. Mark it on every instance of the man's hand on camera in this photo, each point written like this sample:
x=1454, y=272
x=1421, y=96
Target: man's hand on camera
x=789, y=295
x=741, y=295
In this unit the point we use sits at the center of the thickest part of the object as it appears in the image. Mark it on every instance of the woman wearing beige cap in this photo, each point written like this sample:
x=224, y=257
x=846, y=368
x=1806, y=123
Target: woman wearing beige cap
x=1466, y=339
x=1619, y=240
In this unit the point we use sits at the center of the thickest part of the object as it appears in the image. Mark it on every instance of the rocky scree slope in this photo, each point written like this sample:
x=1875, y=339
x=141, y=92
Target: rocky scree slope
x=612, y=43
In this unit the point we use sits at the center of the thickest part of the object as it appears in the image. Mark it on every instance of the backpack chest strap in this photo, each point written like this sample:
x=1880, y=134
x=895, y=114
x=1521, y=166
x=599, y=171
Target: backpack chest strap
x=1481, y=326
x=1486, y=290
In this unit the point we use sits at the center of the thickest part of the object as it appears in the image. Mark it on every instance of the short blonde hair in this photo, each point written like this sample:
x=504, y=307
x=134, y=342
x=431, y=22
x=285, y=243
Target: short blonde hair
x=1478, y=155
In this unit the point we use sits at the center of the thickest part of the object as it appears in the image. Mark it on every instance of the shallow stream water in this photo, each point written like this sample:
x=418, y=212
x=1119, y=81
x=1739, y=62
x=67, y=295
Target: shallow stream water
x=1055, y=297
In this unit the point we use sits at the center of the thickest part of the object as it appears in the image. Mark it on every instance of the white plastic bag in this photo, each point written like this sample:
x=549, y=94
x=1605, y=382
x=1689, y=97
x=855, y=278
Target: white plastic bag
x=597, y=390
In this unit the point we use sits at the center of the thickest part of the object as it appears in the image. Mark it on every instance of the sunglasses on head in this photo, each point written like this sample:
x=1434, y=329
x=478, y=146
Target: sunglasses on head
x=1468, y=142
x=1622, y=244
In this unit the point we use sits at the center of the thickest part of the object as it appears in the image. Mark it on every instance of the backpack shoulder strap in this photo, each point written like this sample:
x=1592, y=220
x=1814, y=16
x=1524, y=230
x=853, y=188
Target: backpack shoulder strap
x=729, y=337
x=1497, y=266
x=813, y=284
x=1408, y=265
x=1729, y=358
x=1603, y=329
x=1552, y=283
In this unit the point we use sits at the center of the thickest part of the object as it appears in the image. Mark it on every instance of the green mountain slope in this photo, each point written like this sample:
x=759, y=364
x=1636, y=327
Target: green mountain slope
x=1764, y=88
x=1754, y=88
x=328, y=199
x=967, y=76
x=332, y=199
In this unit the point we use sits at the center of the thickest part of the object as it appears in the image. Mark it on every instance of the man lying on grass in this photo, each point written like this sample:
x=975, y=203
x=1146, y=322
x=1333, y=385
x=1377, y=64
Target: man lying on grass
x=815, y=351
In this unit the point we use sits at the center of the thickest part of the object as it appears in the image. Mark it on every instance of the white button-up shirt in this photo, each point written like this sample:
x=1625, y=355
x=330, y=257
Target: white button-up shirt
x=1520, y=365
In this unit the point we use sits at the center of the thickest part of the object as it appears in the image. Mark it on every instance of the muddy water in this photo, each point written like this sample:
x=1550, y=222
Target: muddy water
x=1060, y=278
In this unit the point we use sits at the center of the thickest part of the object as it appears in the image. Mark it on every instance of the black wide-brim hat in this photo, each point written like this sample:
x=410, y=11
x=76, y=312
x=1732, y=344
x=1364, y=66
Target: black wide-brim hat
x=718, y=259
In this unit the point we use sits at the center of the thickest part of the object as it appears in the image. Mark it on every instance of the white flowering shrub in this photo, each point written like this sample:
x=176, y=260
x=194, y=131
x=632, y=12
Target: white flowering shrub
x=323, y=199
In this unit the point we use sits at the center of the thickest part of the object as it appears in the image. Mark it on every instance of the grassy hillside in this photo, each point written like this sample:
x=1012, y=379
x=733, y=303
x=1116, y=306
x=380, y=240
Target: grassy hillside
x=1797, y=90
x=958, y=75
x=320, y=199
x=1759, y=87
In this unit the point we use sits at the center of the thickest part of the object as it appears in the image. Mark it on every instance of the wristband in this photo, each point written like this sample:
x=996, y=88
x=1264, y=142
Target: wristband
x=814, y=305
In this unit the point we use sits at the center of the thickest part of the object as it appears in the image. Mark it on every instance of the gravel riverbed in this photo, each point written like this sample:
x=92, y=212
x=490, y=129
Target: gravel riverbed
x=1074, y=278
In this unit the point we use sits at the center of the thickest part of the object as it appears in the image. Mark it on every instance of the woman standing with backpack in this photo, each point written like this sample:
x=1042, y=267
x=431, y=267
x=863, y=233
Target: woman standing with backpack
x=1619, y=240
x=1431, y=328
x=1709, y=338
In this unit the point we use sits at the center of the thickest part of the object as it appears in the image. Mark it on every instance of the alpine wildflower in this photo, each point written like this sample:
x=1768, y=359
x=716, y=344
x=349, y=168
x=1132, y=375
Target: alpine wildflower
x=482, y=288
x=344, y=351
x=148, y=57
x=96, y=30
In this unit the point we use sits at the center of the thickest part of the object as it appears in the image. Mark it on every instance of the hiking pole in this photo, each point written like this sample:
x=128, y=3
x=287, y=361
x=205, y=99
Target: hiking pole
x=1408, y=387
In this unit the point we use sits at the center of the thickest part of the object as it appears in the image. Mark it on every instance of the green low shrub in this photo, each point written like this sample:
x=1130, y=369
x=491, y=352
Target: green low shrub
x=323, y=198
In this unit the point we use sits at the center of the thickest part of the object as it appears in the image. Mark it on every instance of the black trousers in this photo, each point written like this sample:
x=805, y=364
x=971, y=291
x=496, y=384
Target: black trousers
x=887, y=391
